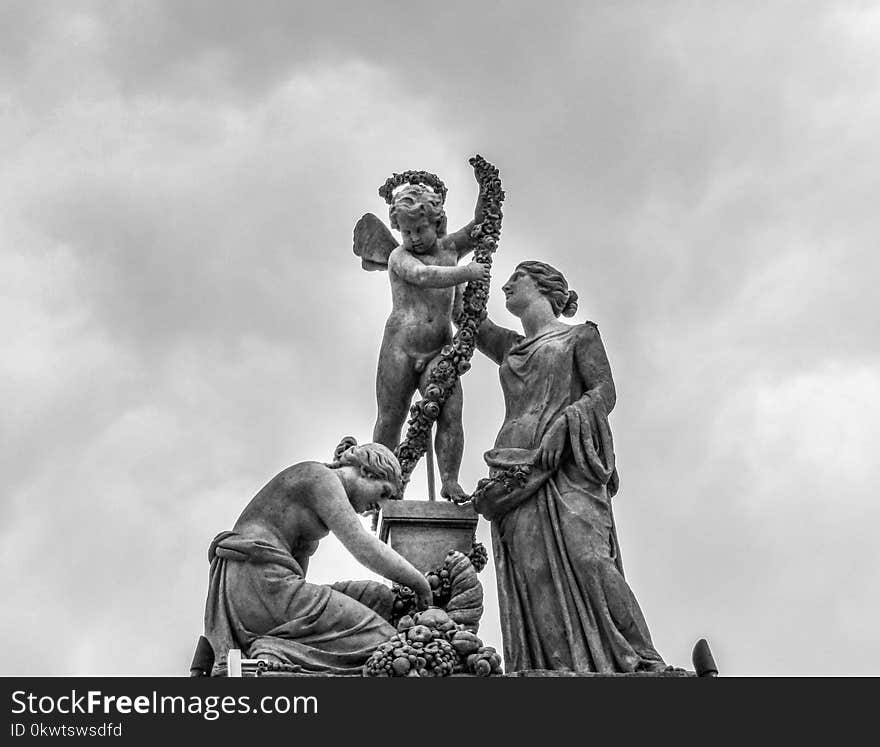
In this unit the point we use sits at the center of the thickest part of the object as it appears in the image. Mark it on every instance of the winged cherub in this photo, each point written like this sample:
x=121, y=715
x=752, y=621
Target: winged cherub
x=424, y=273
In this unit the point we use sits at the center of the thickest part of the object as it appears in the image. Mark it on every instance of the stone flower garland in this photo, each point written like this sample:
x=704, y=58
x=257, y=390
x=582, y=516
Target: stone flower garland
x=386, y=191
x=510, y=477
x=454, y=359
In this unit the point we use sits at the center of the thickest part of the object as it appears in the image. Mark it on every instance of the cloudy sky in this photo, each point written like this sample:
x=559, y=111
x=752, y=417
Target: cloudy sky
x=182, y=316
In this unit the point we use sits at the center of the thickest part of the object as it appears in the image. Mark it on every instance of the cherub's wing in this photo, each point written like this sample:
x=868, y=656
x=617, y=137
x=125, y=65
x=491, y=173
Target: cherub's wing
x=373, y=242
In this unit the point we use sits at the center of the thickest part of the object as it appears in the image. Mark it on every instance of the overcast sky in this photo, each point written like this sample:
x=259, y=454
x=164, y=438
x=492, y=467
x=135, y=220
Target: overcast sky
x=182, y=316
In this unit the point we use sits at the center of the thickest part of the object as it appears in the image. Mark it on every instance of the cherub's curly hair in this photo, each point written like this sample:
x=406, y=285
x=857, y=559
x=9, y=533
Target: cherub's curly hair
x=552, y=285
x=416, y=200
x=375, y=460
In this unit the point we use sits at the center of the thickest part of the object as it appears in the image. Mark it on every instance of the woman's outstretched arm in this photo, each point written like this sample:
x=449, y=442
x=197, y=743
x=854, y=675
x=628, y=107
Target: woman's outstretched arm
x=494, y=342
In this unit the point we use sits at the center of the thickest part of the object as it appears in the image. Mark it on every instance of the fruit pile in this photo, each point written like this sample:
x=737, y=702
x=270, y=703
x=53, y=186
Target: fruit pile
x=479, y=556
x=431, y=644
x=404, y=603
x=441, y=585
x=456, y=589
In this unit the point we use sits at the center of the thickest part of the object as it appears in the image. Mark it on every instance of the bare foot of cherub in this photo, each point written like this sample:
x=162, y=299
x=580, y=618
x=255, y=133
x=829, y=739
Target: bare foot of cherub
x=452, y=491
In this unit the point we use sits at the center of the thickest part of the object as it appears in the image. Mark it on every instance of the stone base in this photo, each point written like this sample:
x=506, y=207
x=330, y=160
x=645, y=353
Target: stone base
x=425, y=531
x=556, y=673
x=674, y=673
x=361, y=677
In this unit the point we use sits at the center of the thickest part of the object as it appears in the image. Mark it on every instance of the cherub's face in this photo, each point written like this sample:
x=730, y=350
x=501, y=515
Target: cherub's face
x=419, y=234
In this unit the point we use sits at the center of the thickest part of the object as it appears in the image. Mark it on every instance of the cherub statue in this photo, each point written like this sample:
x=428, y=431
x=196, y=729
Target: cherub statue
x=424, y=274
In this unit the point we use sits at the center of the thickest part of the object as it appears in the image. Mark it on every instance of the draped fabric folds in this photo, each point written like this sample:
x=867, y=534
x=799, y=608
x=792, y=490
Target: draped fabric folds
x=259, y=602
x=564, y=602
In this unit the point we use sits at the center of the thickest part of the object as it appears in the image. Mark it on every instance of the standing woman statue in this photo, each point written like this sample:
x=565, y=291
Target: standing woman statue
x=564, y=602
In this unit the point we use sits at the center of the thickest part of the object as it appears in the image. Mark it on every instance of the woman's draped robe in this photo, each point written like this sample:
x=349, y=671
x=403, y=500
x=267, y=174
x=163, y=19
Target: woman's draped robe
x=564, y=602
x=259, y=602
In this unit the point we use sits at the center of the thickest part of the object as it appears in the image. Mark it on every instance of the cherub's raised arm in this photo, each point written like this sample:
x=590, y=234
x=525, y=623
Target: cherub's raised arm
x=494, y=342
x=461, y=238
x=403, y=264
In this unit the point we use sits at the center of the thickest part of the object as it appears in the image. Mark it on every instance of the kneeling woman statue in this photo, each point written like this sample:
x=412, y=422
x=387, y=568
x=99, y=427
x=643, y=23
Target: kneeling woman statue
x=258, y=598
x=564, y=602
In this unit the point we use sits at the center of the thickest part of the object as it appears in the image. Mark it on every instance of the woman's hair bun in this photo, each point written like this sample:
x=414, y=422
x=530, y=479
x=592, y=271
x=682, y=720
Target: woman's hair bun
x=571, y=305
x=345, y=444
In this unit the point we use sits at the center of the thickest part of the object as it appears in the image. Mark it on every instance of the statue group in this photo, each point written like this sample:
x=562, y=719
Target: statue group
x=564, y=602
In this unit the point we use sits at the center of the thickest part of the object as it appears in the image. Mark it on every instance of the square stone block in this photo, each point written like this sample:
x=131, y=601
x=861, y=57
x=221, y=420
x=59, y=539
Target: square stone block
x=425, y=531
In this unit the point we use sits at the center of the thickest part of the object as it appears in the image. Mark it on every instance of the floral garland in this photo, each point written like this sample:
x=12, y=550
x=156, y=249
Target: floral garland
x=510, y=477
x=454, y=359
x=386, y=191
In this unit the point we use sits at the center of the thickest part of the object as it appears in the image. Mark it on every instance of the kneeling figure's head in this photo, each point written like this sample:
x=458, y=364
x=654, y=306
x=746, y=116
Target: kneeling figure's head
x=378, y=475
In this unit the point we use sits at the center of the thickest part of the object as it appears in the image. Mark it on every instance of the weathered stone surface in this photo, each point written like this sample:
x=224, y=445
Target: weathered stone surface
x=671, y=674
x=418, y=349
x=424, y=532
x=301, y=674
x=259, y=601
x=564, y=602
x=704, y=662
x=674, y=673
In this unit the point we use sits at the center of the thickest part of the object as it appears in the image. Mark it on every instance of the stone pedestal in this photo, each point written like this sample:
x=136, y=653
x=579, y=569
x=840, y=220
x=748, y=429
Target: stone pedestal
x=425, y=531
x=557, y=673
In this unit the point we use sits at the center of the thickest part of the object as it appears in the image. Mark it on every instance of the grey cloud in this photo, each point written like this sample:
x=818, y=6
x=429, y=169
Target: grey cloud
x=184, y=190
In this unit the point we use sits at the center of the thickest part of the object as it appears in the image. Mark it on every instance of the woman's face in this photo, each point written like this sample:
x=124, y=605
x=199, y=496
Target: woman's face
x=370, y=493
x=520, y=292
